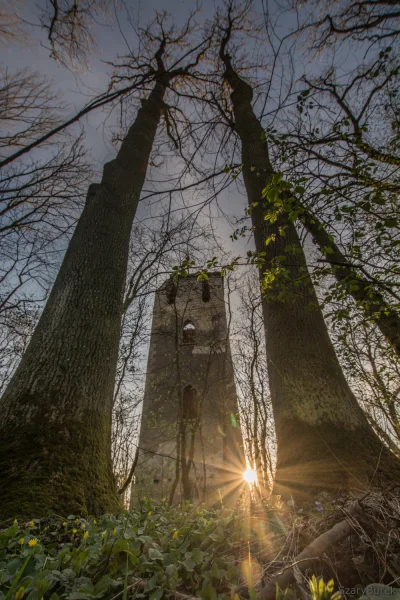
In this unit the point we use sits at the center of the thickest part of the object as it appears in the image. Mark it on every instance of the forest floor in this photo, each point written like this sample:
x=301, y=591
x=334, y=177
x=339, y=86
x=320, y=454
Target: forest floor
x=349, y=547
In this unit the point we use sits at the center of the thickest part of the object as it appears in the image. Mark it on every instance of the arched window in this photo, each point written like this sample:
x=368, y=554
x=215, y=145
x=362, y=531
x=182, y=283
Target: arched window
x=205, y=295
x=190, y=403
x=189, y=333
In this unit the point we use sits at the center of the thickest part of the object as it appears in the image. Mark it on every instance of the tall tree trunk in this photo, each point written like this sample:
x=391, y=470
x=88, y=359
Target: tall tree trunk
x=324, y=440
x=373, y=303
x=55, y=416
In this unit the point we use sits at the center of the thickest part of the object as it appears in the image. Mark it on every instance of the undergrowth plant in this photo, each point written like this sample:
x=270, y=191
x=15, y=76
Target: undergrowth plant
x=153, y=548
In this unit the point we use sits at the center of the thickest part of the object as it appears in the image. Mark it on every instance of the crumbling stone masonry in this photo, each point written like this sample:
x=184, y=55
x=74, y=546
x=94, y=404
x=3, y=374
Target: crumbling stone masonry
x=190, y=421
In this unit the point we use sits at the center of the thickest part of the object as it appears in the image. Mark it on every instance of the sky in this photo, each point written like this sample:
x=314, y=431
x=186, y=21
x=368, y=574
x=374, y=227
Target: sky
x=113, y=38
x=76, y=87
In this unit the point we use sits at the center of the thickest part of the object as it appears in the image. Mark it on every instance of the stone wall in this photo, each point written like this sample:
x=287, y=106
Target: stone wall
x=190, y=405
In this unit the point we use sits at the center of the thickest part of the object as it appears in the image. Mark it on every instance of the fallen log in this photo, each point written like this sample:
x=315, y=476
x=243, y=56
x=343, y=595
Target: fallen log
x=317, y=548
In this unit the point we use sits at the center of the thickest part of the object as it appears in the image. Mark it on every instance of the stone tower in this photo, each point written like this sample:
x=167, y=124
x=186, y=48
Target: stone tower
x=190, y=440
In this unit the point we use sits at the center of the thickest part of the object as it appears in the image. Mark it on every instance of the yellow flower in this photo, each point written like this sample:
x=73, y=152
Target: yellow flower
x=64, y=524
x=83, y=526
x=103, y=535
x=151, y=499
x=32, y=543
x=20, y=593
x=86, y=535
x=150, y=513
x=21, y=541
x=76, y=520
x=114, y=532
x=15, y=522
x=164, y=500
x=74, y=531
x=176, y=533
x=31, y=523
x=144, y=498
x=94, y=522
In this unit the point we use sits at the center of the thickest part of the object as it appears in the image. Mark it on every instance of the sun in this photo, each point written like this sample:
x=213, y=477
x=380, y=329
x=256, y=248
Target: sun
x=250, y=476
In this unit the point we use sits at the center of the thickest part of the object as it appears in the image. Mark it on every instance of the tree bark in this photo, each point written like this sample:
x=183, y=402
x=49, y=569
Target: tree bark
x=55, y=415
x=324, y=440
x=373, y=303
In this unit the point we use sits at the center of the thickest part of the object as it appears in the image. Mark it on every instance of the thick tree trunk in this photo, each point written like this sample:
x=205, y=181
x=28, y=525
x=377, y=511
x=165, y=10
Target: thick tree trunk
x=55, y=416
x=324, y=440
x=373, y=303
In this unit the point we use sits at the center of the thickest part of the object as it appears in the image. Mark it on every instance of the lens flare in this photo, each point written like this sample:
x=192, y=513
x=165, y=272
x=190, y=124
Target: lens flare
x=250, y=476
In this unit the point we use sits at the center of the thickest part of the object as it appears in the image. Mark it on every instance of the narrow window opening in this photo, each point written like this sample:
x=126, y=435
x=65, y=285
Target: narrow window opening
x=189, y=333
x=171, y=292
x=190, y=403
x=206, y=292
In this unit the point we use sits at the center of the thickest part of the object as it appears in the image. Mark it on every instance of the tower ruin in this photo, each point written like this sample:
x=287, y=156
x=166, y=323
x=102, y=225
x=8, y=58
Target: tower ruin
x=190, y=440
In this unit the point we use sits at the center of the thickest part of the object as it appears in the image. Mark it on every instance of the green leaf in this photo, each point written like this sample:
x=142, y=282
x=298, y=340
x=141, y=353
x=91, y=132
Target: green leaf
x=151, y=583
x=270, y=239
x=155, y=554
x=157, y=594
x=273, y=195
x=170, y=570
x=198, y=556
x=189, y=564
x=208, y=591
x=121, y=545
x=202, y=276
x=277, y=178
x=14, y=583
x=299, y=189
x=378, y=200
